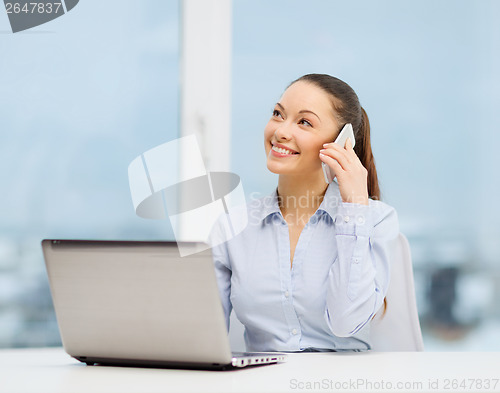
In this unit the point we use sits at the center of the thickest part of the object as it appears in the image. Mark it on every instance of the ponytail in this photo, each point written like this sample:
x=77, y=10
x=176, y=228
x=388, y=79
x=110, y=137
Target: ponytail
x=363, y=150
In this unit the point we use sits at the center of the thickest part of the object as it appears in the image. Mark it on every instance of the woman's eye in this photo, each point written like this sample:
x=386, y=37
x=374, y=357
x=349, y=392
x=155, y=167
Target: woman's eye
x=305, y=122
x=277, y=113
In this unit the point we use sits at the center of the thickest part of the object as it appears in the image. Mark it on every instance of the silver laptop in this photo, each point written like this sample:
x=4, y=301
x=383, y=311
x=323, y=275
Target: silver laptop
x=140, y=304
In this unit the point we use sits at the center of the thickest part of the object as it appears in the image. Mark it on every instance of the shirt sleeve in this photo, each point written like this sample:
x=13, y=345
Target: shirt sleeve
x=358, y=279
x=222, y=266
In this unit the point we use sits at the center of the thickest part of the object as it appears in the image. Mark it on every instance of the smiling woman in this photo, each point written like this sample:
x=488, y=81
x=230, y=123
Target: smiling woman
x=312, y=267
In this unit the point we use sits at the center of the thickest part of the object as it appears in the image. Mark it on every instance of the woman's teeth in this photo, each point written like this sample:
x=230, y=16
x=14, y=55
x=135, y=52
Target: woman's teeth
x=282, y=151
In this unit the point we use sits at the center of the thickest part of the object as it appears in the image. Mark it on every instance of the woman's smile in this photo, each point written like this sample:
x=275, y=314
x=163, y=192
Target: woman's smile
x=279, y=150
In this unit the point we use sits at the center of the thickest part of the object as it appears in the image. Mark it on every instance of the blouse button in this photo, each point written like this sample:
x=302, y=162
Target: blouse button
x=294, y=332
x=347, y=218
x=287, y=294
x=361, y=220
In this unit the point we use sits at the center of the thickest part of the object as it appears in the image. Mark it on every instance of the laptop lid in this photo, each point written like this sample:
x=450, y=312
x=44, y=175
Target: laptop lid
x=136, y=300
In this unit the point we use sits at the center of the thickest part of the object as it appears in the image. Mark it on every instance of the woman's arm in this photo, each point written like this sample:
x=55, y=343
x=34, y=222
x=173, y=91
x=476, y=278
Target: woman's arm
x=222, y=267
x=359, y=278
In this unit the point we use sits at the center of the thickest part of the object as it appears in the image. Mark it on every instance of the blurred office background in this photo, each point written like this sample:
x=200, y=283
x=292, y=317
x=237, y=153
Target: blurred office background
x=83, y=95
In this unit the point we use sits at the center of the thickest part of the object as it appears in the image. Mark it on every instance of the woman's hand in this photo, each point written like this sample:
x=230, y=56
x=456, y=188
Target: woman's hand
x=352, y=176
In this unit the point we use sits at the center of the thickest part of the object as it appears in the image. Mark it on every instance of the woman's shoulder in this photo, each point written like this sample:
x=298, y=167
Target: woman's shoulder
x=385, y=217
x=381, y=208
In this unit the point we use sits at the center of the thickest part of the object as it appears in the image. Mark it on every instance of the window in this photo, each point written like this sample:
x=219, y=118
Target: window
x=82, y=96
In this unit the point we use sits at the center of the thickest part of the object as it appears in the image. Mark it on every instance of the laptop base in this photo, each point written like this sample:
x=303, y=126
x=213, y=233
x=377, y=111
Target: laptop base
x=92, y=361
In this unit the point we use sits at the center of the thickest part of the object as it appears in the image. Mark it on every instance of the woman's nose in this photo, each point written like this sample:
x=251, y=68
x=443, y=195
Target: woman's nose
x=283, y=132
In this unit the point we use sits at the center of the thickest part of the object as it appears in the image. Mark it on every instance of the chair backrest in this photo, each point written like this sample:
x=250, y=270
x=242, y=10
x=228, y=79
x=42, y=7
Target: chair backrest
x=399, y=328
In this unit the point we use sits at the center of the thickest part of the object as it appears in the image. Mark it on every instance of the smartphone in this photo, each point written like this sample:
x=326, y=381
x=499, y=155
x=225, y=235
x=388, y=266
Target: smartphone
x=345, y=133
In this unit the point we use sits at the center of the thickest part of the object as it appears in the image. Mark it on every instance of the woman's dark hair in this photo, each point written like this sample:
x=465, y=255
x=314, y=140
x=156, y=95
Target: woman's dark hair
x=347, y=109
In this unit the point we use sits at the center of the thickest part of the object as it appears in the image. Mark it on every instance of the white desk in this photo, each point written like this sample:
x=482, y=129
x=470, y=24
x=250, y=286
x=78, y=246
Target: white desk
x=51, y=370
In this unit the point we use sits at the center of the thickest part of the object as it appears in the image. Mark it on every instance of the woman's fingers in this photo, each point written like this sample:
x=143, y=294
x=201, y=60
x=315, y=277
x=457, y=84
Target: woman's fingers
x=351, y=174
x=332, y=163
x=345, y=156
x=334, y=150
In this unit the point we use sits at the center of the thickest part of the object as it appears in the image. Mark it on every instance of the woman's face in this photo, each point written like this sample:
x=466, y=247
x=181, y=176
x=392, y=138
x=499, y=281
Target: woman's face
x=302, y=121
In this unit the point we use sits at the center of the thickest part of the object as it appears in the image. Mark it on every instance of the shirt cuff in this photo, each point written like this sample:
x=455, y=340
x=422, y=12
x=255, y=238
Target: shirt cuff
x=354, y=219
